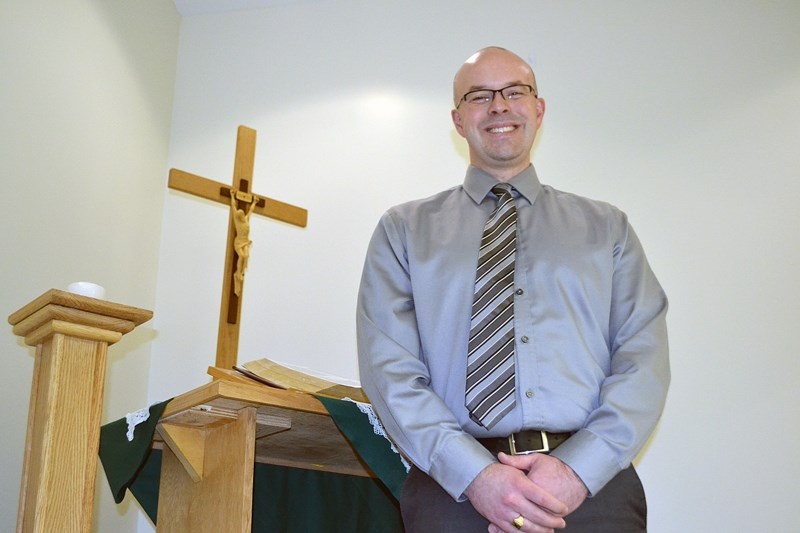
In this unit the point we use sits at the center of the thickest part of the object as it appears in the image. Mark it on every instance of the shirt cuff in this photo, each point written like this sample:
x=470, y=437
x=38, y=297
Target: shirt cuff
x=458, y=463
x=590, y=458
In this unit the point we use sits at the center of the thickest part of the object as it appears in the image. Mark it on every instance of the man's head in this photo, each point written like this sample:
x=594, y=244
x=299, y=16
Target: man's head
x=499, y=128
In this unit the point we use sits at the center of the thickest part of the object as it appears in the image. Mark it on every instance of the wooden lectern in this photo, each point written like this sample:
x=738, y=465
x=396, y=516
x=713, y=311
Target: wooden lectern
x=71, y=334
x=215, y=433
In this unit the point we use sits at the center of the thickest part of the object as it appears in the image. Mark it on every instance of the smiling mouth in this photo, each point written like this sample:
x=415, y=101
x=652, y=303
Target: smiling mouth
x=501, y=129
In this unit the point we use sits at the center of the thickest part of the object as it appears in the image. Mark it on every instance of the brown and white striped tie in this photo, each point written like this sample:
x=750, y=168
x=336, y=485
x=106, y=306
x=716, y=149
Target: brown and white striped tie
x=490, y=359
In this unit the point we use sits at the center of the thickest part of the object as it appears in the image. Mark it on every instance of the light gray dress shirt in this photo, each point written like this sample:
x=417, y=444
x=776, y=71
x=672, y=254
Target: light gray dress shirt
x=591, y=339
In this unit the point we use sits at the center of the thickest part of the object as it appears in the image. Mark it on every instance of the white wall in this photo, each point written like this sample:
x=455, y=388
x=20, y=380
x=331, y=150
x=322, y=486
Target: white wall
x=684, y=114
x=85, y=104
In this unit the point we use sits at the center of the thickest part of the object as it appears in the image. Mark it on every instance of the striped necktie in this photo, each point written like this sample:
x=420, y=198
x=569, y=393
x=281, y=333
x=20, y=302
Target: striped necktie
x=490, y=359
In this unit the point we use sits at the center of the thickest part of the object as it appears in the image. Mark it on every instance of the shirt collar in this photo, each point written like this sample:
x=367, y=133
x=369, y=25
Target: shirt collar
x=478, y=183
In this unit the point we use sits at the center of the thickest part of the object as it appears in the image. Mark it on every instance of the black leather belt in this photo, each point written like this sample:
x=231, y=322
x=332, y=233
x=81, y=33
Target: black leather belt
x=528, y=441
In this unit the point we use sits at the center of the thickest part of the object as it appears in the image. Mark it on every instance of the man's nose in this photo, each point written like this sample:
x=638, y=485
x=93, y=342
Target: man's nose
x=498, y=103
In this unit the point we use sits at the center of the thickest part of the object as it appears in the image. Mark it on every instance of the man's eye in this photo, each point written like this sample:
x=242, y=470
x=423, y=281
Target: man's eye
x=479, y=98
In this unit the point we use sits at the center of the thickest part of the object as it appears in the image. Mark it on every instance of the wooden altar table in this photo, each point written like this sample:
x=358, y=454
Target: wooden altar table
x=210, y=437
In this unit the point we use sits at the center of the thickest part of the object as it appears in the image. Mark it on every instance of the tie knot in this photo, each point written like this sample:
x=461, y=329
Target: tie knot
x=502, y=190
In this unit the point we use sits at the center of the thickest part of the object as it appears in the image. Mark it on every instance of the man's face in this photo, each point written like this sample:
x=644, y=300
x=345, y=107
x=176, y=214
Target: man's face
x=500, y=134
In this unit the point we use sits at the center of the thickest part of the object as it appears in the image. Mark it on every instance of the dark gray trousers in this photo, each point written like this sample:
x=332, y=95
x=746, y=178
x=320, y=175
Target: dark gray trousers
x=619, y=507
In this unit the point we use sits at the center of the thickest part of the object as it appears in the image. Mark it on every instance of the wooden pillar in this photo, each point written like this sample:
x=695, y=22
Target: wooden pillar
x=71, y=334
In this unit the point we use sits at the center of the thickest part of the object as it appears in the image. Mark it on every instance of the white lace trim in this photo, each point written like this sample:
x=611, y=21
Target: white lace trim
x=377, y=427
x=134, y=419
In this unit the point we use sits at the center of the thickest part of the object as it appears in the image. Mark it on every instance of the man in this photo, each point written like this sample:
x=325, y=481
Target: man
x=573, y=379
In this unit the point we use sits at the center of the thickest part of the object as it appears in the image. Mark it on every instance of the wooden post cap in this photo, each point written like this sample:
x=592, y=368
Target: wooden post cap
x=58, y=311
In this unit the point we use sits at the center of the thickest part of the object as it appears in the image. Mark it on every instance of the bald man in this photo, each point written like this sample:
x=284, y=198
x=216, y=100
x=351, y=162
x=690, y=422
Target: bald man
x=532, y=428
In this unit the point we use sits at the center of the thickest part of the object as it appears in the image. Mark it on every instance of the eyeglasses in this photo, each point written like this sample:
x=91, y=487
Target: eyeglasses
x=486, y=96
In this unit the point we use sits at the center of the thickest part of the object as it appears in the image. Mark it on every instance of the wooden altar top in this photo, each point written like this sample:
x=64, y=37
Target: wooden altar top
x=293, y=428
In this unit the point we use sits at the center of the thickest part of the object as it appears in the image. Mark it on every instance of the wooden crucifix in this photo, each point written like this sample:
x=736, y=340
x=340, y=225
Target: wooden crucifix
x=242, y=202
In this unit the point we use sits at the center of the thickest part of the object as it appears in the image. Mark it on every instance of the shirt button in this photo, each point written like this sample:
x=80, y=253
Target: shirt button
x=520, y=292
x=529, y=393
x=524, y=339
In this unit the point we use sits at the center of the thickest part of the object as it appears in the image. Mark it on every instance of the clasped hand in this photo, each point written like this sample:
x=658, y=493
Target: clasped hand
x=541, y=489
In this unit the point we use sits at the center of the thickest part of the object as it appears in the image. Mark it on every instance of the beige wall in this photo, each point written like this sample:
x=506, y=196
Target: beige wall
x=85, y=105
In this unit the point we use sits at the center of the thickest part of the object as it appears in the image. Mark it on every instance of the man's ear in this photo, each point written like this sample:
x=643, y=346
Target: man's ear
x=456, y=116
x=540, y=107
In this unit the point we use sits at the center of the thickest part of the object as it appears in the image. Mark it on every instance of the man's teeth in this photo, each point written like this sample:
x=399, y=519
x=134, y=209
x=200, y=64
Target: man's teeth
x=504, y=129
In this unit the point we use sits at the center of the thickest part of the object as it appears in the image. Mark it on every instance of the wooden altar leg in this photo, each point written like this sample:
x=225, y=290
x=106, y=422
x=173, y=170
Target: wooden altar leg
x=198, y=465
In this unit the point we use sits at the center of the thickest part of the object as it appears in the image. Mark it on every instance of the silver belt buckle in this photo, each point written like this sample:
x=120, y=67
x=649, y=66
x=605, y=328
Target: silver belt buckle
x=512, y=446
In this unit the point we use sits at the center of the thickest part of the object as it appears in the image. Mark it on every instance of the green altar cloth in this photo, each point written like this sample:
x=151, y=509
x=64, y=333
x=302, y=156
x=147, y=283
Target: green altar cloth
x=284, y=499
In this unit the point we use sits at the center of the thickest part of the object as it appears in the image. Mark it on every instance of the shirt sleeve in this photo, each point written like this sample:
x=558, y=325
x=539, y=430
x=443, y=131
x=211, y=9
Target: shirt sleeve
x=632, y=396
x=394, y=375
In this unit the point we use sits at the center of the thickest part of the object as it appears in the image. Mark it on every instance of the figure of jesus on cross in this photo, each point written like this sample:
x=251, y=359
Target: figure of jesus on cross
x=242, y=242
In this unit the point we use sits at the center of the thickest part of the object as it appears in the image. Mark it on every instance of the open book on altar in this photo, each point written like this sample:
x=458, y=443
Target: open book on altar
x=274, y=374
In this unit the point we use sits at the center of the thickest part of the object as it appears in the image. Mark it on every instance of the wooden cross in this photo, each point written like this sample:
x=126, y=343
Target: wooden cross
x=242, y=201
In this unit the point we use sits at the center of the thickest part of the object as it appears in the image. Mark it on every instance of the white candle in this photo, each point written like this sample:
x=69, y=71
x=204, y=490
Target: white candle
x=86, y=288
